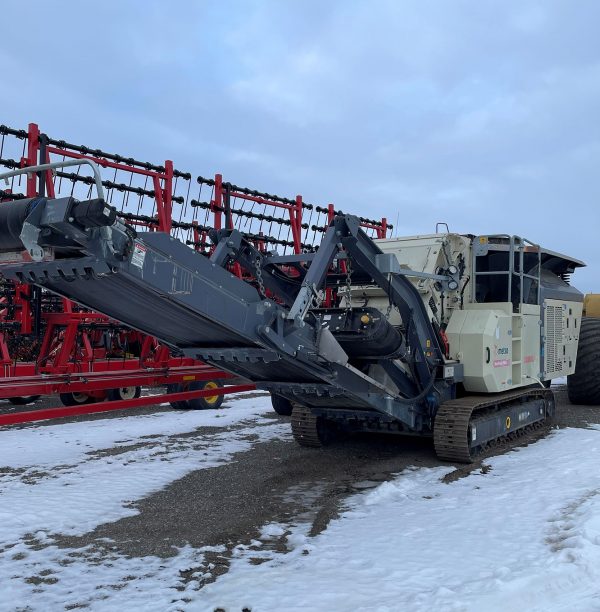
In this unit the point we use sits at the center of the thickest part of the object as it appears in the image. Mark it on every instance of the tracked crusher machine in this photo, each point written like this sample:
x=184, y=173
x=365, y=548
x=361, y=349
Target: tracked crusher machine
x=456, y=337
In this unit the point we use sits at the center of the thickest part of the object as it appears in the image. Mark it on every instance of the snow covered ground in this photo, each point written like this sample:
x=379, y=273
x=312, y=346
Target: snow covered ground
x=521, y=534
x=67, y=479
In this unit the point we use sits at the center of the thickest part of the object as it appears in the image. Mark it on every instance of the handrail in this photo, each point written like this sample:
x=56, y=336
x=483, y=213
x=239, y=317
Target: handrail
x=59, y=164
x=516, y=244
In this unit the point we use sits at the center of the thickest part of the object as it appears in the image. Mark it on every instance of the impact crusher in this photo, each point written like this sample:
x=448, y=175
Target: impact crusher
x=456, y=337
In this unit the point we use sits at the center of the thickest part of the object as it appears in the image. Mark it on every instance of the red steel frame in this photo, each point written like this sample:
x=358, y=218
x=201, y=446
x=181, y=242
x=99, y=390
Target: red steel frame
x=293, y=208
x=69, y=359
x=56, y=413
x=110, y=379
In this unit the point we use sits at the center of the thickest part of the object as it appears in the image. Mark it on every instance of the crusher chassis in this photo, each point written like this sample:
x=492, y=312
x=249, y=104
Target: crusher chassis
x=449, y=336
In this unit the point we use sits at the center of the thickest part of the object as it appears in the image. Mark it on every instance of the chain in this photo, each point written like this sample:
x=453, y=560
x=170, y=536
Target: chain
x=390, y=304
x=259, y=278
x=348, y=286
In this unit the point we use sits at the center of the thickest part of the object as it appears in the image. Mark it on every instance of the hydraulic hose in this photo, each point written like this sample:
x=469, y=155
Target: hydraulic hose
x=421, y=395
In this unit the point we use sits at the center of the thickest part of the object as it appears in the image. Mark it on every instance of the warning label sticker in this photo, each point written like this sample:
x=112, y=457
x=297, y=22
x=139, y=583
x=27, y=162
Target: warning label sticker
x=138, y=255
x=501, y=363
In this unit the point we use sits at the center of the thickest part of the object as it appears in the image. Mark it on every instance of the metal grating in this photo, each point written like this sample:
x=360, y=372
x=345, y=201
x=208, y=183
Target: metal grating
x=554, y=339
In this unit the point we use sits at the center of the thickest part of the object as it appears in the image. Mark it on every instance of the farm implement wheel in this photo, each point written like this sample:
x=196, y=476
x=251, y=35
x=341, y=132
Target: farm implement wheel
x=197, y=403
x=123, y=393
x=76, y=399
x=23, y=401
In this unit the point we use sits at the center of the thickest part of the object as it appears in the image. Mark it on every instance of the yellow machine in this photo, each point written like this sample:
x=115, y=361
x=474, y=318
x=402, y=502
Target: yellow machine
x=591, y=305
x=584, y=384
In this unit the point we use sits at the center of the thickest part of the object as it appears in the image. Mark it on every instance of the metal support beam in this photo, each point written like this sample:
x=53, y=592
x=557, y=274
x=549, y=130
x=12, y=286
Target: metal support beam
x=315, y=277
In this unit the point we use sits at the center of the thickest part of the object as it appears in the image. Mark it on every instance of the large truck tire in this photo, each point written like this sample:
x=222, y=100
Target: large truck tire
x=584, y=385
x=281, y=405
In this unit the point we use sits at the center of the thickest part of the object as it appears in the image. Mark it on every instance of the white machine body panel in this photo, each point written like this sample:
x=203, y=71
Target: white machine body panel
x=504, y=341
x=562, y=321
x=480, y=337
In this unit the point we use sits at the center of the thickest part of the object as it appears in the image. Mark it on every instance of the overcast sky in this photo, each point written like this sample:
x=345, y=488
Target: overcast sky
x=485, y=115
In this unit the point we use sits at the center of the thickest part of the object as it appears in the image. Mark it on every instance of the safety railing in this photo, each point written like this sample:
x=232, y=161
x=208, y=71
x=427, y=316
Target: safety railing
x=512, y=245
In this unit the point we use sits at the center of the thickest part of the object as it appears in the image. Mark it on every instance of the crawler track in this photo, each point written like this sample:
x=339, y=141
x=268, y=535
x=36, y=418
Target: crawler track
x=453, y=438
x=305, y=427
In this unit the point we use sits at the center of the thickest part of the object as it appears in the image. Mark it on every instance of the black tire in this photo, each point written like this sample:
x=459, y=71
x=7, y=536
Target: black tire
x=177, y=405
x=23, y=401
x=198, y=403
x=584, y=385
x=203, y=403
x=76, y=399
x=281, y=405
x=123, y=393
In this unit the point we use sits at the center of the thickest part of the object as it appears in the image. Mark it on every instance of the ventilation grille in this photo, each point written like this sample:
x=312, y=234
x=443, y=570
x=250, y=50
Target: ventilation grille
x=554, y=339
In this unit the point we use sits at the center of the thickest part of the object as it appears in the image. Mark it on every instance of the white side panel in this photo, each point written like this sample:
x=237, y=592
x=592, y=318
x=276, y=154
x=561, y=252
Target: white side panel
x=528, y=326
x=481, y=339
x=500, y=350
x=561, y=337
